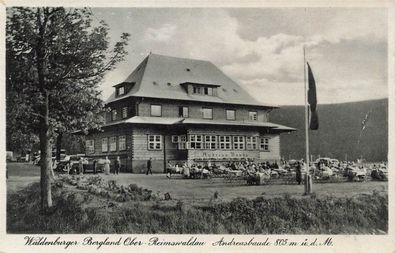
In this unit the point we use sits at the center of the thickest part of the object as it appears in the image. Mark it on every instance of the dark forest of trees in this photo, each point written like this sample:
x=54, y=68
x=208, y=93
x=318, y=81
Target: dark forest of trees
x=339, y=130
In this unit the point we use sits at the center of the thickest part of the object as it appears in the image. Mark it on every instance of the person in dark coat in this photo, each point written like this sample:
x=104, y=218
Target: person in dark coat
x=298, y=173
x=149, y=166
x=94, y=164
x=117, y=165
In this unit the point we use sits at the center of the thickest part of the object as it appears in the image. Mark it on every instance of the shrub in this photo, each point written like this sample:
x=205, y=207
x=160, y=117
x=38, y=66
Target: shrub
x=82, y=212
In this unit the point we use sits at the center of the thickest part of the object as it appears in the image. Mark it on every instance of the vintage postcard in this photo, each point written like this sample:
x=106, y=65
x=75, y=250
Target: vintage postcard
x=198, y=126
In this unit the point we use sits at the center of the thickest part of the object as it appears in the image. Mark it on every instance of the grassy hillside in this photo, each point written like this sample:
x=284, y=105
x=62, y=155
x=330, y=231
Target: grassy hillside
x=339, y=129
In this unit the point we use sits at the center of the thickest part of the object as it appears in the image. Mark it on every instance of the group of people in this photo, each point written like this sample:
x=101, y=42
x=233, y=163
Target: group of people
x=70, y=169
x=193, y=171
x=252, y=166
x=206, y=169
x=116, y=167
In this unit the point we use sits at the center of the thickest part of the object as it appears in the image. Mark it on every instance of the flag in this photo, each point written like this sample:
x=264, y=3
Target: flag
x=364, y=124
x=314, y=119
x=364, y=121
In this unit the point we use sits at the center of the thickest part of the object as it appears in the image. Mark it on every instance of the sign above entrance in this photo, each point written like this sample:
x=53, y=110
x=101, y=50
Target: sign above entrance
x=222, y=154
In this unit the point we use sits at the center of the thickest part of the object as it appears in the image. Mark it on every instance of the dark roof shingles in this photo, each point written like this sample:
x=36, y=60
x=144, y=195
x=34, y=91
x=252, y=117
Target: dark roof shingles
x=153, y=76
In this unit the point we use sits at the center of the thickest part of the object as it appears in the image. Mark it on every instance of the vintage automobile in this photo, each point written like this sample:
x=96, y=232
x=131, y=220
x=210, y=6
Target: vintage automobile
x=379, y=174
x=74, y=161
x=329, y=162
x=88, y=166
x=355, y=173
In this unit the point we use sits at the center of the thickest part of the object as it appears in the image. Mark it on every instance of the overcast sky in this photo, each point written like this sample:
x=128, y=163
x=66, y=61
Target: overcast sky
x=262, y=48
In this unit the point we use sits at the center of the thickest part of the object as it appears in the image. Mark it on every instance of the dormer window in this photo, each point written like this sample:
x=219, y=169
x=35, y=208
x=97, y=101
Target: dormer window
x=123, y=88
x=203, y=89
x=120, y=90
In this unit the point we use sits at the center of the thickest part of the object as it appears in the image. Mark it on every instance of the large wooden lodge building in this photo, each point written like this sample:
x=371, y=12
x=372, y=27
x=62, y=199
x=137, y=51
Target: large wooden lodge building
x=183, y=110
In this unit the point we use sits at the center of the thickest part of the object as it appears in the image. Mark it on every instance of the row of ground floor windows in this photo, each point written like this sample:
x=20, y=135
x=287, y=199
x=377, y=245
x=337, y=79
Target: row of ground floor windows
x=154, y=142
x=226, y=142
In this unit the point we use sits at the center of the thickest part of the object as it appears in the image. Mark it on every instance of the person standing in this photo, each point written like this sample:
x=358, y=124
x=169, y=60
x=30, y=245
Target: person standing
x=94, y=164
x=81, y=166
x=298, y=173
x=68, y=167
x=107, y=166
x=117, y=165
x=186, y=171
x=149, y=166
x=169, y=170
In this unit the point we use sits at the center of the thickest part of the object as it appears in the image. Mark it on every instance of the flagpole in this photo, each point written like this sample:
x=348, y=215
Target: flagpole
x=307, y=160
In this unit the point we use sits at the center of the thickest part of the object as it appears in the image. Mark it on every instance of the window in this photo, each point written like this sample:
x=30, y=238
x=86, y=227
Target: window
x=225, y=142
x=121, y=143
x=195, y=141
x=175, y=139
x=230, y=114
x=113, y=144
x=124, y=112
x=105, y=143
x=264, y=143
x=253, y=116
x=183, y=111
x=208, y=91
x=210, y=142
x=239, y=142
x=154, y=142
x=196, y=90
x=156, y=110
x=114, y=115
x=90, y=146
x=121, y=90
x=207, y=113
x=202, y=90
x=251, y=142
x=182, y=142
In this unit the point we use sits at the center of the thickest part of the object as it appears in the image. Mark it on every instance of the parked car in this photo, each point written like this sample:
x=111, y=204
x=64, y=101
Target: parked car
x=379, y=174
x=61, y=166
x=329, y=162
x=75, y=161
x=355, y=174
x=88, y=166
x=10, y=156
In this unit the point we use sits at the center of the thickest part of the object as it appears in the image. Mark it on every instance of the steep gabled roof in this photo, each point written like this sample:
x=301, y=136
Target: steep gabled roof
x=160, y=76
